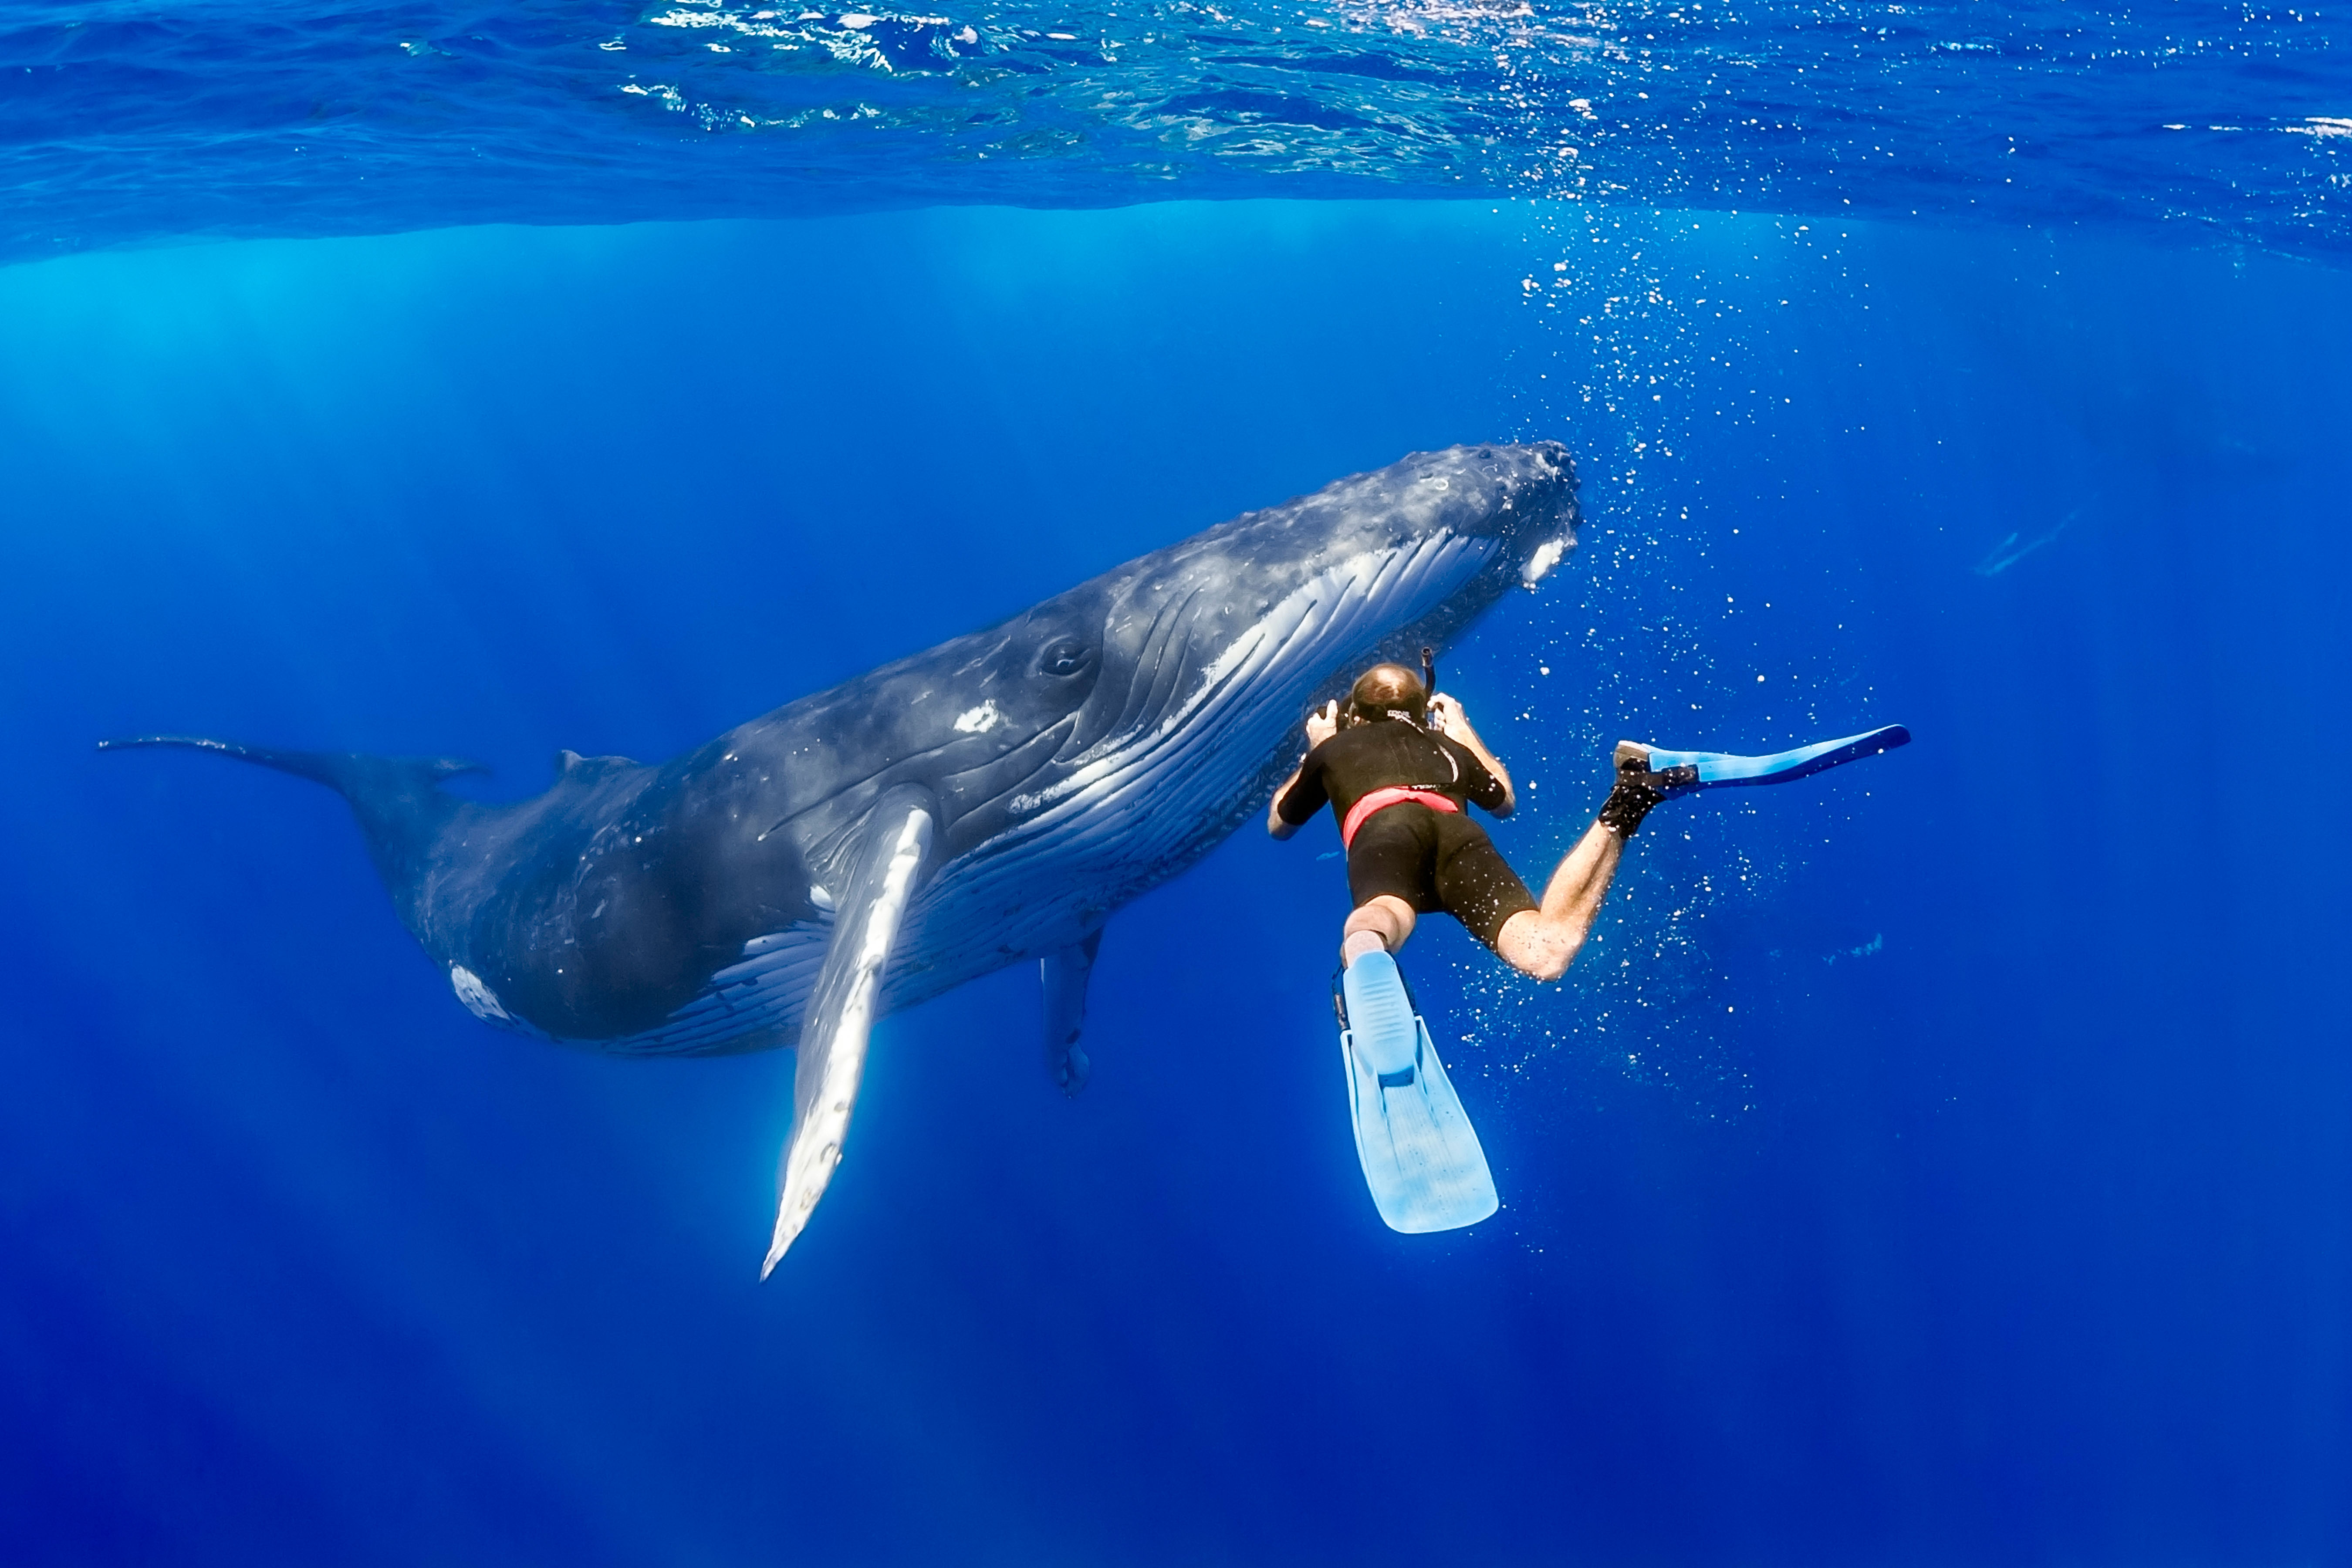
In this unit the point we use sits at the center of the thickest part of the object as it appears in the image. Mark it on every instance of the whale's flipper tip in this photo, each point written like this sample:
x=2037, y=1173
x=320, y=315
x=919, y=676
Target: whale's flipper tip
x=779, y=1244
x=1063, y=977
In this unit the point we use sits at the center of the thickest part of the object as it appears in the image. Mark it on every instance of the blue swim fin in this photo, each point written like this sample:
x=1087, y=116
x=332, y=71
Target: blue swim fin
x=1718, y=769
x=1421, y=1157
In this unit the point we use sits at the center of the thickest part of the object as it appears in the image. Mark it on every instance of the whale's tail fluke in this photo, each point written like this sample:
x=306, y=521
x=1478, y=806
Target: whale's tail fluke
x=345, y=773
x=398, y=800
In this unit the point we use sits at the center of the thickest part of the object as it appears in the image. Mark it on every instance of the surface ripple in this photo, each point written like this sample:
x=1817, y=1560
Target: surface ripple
x=133, y=120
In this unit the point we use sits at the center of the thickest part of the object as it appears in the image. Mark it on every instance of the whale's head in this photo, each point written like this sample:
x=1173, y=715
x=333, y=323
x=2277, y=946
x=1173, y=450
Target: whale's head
x=1509, y=508
x=1171, y=684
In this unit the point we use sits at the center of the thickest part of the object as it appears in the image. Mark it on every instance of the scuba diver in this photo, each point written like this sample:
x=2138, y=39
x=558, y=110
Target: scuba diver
x=1400, y=765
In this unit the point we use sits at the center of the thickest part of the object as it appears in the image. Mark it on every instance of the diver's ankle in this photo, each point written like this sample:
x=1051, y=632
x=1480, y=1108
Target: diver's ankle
x=1639, y=788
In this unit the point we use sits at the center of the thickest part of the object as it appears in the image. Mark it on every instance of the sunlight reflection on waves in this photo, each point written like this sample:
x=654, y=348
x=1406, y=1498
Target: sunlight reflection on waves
x=296, y=117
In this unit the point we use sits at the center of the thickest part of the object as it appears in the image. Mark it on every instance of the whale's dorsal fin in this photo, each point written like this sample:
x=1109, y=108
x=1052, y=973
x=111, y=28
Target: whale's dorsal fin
x=1063, y=977
x=871, y=904
x=571, y=764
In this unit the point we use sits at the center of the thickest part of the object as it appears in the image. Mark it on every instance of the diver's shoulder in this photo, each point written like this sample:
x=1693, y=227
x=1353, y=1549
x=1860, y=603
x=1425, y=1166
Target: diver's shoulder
x=1349, y=738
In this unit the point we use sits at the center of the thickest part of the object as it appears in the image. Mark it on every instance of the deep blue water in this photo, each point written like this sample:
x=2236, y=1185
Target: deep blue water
x=1969, y=1185
x=1945, y=1160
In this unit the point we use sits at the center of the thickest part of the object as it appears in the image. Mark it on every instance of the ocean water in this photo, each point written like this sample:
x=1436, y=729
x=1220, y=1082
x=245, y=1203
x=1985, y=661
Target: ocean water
x=141, y=119
x=1946, y=1160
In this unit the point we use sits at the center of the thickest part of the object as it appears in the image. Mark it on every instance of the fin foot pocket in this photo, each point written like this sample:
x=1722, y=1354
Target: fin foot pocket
x=1380, y=1014
x=1421, y=1157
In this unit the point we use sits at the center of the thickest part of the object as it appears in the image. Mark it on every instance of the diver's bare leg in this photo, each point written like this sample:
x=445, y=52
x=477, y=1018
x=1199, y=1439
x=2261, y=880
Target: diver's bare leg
x=1543, y=941
x=1381, y=924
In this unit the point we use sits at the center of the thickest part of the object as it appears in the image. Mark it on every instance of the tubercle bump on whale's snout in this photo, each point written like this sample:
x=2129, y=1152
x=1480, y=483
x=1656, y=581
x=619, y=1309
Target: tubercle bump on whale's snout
x=1527, y=481
x=1551, y=469
x=1531, y=490
x=1545, y=510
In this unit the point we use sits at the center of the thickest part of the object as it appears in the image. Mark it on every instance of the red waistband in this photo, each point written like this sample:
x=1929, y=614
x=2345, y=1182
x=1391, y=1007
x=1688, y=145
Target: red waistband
x=1381, y=799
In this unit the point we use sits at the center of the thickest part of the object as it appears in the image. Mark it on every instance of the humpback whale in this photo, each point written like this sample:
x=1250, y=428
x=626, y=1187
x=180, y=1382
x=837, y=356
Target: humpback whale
x=989, y=801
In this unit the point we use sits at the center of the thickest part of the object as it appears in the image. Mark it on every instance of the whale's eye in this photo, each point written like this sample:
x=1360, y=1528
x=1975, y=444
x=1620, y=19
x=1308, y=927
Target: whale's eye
x=1062, y=656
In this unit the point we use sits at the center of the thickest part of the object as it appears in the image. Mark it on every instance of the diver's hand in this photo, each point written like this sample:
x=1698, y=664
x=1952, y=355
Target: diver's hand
x=1322, y=724
x=1445, y=715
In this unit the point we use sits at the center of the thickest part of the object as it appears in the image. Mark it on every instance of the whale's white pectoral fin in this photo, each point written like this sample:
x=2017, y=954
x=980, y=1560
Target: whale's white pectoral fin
x=1062, y=977
x=884, y=873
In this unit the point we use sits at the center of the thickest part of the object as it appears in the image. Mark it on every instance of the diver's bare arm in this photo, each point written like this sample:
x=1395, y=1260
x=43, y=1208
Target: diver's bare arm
x=1455, y=725
x=1320, y=726
x=1274, y=823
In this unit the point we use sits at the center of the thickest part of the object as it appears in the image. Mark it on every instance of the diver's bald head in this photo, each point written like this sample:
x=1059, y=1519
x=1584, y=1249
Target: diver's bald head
x=1389, y=688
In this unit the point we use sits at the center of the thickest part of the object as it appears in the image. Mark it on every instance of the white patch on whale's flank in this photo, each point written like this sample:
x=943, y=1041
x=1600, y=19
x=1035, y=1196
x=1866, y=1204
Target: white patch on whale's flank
x=978, y=721
x=820, y=898
x=1540, y=563
x=479, y=999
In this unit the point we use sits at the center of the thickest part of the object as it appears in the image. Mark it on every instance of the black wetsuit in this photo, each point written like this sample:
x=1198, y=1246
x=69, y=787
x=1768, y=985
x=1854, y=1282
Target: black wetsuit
x=1432, y=859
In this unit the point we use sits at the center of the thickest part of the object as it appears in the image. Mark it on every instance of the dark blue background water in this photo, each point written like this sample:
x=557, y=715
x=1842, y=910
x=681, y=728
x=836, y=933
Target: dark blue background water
x=1961, y=1176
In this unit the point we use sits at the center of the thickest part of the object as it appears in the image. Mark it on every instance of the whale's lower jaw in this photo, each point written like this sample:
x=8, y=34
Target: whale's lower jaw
x=1134, y=814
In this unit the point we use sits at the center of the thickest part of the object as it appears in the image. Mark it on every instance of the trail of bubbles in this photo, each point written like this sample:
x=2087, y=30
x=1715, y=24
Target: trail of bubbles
x=1649, y=330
